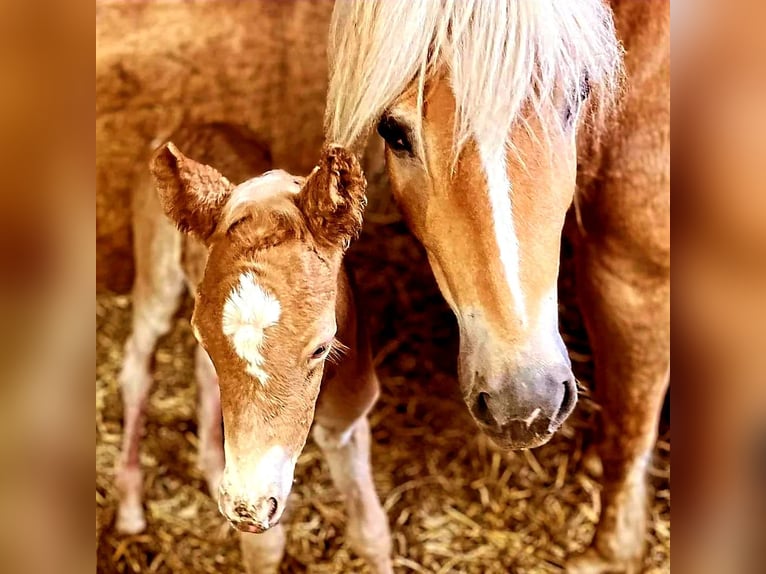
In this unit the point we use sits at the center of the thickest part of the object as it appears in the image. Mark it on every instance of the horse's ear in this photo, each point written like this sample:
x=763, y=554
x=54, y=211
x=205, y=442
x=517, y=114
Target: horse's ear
x=192, y=194
x=333, y=197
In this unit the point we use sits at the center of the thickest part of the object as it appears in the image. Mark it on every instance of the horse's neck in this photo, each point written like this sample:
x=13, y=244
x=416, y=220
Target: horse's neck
x=346, y=309
x=193, y=261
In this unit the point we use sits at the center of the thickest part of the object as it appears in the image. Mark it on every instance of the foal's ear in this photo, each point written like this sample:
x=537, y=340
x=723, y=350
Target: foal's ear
x=333, y=198
x=192, y=194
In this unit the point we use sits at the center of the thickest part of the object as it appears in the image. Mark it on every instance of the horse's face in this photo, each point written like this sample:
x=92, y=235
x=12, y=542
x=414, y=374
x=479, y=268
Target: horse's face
x=265, y=309
x=492, y=231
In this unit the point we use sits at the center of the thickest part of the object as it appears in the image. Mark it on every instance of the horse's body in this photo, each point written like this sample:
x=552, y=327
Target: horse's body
x=478, y=104
x=623, y=255
x=243, y=244
x=266, y=65
x=161, y=65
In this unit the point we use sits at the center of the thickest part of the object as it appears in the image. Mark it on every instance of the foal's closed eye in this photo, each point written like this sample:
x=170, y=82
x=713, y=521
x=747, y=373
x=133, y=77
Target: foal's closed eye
x=333, y=351
x=320, y=351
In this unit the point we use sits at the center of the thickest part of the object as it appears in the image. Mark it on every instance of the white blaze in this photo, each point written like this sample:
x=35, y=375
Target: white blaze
x=252, y=475
x=247, y=313
x=499, y=188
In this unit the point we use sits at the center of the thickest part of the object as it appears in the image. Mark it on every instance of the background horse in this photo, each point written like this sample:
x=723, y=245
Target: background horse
x=480, y=104
x=162, y=65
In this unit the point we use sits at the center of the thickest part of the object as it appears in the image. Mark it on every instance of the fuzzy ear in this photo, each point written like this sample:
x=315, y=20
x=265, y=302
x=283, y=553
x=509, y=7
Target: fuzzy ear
x=192, y=194
x=333, y=198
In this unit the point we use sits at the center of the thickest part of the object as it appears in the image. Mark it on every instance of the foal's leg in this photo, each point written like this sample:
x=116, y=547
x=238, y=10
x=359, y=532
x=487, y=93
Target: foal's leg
x=210, y=455
x=345, y=443
x=347, y=451
x=158, y=286
x=262, y=553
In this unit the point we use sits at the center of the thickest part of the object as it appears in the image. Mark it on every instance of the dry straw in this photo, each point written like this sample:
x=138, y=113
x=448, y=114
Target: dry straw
x=455, y=503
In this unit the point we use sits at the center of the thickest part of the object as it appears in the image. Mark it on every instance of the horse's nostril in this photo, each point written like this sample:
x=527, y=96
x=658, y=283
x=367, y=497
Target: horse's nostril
x=272, y=508
x=567, y=403
x=482, y=407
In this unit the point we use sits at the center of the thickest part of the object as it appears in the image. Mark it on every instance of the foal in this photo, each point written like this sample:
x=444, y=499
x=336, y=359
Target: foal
x=273, y=303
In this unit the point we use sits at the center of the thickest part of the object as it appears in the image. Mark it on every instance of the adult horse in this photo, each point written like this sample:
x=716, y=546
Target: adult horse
x=484, y=106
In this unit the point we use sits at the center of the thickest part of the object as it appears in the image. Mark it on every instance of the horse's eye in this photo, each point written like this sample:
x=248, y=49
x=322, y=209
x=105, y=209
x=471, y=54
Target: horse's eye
x=320, y=351
x=583, y=91
x=584, y=88
x=396, y=135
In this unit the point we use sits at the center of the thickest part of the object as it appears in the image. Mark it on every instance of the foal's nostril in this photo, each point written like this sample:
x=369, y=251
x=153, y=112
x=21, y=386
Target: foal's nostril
x=482, y=407
x=241, y=511
x=272, y=508
x=263, y=513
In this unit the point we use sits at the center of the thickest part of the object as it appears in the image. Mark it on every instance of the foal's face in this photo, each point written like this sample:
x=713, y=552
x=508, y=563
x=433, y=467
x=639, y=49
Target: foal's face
x=267, y=320
x=265, y=309
x=492, y=232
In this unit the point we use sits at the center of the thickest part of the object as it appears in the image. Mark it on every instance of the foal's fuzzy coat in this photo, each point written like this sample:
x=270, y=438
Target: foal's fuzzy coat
x=272, y=302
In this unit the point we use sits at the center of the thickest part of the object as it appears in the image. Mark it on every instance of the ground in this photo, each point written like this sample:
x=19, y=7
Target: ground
x=455, y=502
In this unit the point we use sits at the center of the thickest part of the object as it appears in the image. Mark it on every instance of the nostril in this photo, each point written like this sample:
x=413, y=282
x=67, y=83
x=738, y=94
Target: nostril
x=482, y=407
x=272, y=508
x=567, y=403
x=241, y=511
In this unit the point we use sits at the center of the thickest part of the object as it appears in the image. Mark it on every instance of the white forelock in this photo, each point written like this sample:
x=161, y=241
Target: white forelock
x=502, y=55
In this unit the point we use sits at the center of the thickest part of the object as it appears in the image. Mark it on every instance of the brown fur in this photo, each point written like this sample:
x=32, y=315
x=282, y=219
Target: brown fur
x=270, y=238
x=191, y=195
x=623, y=248
x=160, y=66
x=166, y=261
x=297, y=255
x=334, y=217
x=163, y=66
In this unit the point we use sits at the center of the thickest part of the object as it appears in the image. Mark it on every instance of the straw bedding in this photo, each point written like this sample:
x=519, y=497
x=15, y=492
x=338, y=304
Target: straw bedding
x=455, y=502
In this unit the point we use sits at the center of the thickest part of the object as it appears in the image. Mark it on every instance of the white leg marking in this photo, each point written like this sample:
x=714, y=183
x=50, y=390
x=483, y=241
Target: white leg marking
x=152, y=318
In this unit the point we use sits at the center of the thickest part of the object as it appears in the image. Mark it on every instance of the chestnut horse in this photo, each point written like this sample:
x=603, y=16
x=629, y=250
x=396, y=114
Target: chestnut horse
x=484, y=106
x=272, y=304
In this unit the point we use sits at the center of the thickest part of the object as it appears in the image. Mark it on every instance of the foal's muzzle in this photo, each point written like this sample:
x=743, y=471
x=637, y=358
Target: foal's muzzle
x=250, y=516
x=253, y=493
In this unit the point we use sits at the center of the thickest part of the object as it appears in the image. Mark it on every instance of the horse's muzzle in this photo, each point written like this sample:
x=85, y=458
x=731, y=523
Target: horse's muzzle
x=525, y=410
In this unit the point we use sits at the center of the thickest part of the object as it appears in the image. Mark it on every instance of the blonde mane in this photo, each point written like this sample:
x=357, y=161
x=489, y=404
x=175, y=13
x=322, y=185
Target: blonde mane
x=502, y=56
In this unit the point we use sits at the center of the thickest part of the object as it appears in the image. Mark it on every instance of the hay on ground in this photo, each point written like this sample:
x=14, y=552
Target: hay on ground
x=455, y=503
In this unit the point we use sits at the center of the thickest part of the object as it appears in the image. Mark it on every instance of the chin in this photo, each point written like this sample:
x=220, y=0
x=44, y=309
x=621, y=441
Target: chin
x=507, y=440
